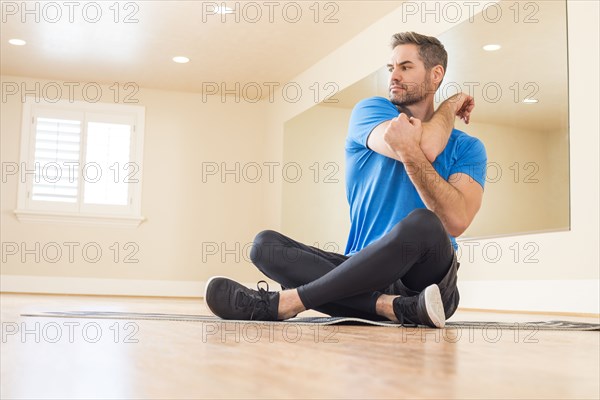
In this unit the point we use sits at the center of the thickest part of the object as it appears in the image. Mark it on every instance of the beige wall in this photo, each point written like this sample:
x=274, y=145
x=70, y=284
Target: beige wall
x=315, y=209
x=184, y=215
x=557, y=150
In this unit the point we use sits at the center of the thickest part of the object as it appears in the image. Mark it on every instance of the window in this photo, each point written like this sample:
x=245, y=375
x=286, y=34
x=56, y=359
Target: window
x=81, y=163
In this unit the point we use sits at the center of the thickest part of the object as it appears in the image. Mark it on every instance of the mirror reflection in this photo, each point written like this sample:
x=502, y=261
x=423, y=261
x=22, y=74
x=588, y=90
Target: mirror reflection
x=521, y=115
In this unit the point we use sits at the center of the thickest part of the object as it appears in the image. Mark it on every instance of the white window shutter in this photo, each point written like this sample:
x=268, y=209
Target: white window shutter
x=56, y=160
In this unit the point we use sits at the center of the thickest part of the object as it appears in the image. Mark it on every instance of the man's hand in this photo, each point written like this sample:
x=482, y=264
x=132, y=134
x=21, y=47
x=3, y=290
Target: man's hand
x=403, y=135
x=462, y=105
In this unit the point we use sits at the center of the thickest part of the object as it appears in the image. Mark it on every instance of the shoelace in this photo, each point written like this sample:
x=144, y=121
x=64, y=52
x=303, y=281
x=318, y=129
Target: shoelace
x=262, y=304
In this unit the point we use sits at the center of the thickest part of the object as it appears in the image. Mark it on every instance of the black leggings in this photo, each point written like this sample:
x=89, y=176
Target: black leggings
x=417, y=250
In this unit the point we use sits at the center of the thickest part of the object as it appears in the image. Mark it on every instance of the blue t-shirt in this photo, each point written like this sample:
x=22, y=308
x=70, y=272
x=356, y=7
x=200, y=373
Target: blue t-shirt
x=379, y=191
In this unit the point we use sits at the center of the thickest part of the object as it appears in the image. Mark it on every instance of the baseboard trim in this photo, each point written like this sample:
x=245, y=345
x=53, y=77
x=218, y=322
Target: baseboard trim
x=98, y=286
x=561, y=314
x=570, y=296
x=565, y=296
x=107, y=287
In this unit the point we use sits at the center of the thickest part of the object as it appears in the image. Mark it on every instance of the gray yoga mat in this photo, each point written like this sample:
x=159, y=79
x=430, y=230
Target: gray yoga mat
x=533, y=325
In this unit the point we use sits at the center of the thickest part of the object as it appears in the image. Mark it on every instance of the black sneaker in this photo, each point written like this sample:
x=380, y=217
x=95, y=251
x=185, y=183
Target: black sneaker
x=424, y=309
x=230, y=300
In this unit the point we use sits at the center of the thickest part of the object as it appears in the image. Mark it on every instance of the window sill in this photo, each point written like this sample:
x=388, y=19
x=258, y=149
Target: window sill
x=125, y=221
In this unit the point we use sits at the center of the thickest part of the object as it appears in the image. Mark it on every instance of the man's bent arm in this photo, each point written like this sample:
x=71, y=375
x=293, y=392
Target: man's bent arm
x=455, y=204
x=436, y=131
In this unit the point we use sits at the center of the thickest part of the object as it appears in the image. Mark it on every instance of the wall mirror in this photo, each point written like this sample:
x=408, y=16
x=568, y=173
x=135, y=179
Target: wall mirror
x=521, y=115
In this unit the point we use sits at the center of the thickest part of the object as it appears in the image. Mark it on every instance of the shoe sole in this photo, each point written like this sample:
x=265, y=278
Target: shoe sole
x=434, y=306
x=206, y=287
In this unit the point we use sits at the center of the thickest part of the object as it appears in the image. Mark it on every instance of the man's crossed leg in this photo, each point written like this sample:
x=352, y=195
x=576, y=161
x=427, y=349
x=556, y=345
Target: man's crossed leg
x=393, y=278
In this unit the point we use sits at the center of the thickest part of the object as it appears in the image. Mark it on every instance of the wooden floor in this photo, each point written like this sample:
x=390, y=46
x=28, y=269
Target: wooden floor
x=82, y=358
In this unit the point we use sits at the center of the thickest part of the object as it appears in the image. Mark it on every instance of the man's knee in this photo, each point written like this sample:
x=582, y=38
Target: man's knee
x=419, y=230
x=263, y=247
x=425, y=226
x=424, y=216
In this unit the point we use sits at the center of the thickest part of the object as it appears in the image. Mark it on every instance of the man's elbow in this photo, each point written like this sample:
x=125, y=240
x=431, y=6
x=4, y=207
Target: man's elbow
x=430, y=149
x=430, y=152
x=458, y=227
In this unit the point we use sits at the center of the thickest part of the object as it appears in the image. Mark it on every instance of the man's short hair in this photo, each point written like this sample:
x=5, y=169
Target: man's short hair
x=431, y=50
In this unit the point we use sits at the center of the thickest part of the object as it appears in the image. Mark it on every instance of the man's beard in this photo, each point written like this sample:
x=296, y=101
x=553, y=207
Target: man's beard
x=412, y=94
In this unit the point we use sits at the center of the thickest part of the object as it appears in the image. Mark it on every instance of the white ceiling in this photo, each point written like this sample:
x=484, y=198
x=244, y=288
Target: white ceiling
x=141, y=52
x=245, y=51
x=533, y=53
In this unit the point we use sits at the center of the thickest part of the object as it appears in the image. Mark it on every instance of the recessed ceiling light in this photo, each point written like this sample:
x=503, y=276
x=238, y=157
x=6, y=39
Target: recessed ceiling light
x=17, y=42
x=224, y=10
x=530, y=101
x=181, y=59
x=491, y=47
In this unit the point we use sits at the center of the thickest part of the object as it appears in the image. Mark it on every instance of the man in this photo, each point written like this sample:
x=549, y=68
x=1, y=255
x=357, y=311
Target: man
x=400, y=262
